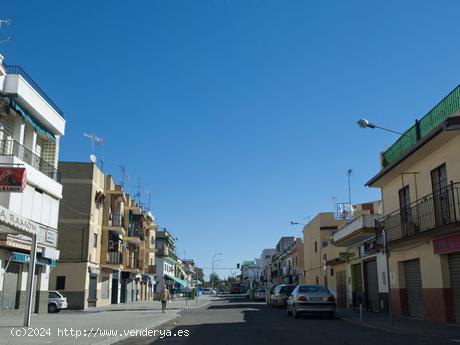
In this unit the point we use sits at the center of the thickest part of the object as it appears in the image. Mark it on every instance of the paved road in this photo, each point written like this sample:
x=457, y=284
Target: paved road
x=233, y=320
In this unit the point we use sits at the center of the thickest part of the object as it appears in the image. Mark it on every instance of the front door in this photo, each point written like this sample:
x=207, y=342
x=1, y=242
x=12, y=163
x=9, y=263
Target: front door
x=92, y=293
x=10, y=287
x=357, y=285
x=372, y=285
x=114, y=298
x=341, y=289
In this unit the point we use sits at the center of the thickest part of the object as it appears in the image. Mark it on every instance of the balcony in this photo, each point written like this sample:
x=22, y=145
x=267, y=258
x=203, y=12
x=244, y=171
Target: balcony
x=114, y=258
x=436, y=211
x=13, y=148
x=447, y=107
x=19, y=71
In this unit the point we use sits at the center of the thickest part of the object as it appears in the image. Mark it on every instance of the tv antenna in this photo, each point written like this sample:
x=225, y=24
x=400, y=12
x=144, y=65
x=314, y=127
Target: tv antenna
x=349, y=172
x=149, y=193
x=124, y=176
x=6, y=21
x=95, y=140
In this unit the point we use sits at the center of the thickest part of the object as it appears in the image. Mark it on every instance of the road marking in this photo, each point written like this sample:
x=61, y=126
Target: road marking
x=455, y=340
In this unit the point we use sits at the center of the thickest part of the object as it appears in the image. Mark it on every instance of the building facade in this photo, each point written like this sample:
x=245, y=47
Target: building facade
x=31, y=126
x=107, y=241
x=420, y=182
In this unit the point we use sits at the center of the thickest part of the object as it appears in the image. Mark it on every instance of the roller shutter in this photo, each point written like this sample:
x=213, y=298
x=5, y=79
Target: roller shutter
x=454, y=268
x=414, y=289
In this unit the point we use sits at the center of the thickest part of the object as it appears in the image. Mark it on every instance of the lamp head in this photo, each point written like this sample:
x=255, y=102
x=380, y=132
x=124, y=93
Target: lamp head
x=363, y=123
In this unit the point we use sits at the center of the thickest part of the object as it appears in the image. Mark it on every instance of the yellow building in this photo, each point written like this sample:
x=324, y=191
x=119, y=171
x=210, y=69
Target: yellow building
x=317, y=236
x=420, y=186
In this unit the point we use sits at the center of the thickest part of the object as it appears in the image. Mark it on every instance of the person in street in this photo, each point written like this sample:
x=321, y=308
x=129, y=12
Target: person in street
x=164, y=296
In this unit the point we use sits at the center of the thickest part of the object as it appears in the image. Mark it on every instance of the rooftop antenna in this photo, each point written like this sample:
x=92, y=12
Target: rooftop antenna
x=94, y=139
x=124, y=176
x=6, y=21
x=150, y=198
x=349, y=185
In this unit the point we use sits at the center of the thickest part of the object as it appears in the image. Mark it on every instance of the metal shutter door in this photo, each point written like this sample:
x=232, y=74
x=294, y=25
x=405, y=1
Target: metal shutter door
x=10, y=286
x=454, y=268
x=372, y=285
x=414, y=288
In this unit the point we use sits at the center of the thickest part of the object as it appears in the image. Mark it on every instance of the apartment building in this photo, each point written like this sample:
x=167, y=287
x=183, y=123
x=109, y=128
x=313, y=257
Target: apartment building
x=31, y=126
x=317, y=239
x=107, y=241
x=79, y=274
x=167, y=269
x=357, y=273
x=420, y=183
x=266, y=262
x=279, y=266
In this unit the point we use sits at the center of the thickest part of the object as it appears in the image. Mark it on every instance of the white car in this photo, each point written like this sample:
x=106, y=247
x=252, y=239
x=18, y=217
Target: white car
x=259, y=294
x=56, y=302
x=209, y=292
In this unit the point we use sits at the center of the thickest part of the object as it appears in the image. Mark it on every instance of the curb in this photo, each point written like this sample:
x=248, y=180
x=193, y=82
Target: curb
x=394, y=330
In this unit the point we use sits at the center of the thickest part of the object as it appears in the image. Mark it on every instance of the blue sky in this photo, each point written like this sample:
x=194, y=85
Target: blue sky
x=238, y=116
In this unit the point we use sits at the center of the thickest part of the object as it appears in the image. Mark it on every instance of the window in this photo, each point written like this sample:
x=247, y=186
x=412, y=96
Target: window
x=439, y=184
x=95, y=240
x=405, y=209
x=60, y=283
x=312, y=289
x=332, y=272
x=317, y=281
x=316, y=247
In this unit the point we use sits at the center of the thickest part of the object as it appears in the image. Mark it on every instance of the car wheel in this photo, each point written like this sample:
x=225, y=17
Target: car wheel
x=52, y=308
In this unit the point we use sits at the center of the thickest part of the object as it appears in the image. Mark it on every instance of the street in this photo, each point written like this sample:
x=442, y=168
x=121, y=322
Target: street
x=235, y=320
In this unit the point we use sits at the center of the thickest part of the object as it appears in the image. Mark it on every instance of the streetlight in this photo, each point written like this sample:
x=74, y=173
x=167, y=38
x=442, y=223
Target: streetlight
x=293, y=222
x=212, y=268
x=363, y=123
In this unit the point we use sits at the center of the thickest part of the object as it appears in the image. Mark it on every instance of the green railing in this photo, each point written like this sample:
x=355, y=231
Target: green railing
x=444, y=109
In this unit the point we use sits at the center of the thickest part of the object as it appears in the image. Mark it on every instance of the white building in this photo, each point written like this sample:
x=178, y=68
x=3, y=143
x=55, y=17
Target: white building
x=266, y=261
x=31, y=126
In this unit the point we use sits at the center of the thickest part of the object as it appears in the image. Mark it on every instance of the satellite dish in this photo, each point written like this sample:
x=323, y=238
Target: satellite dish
x=93, y=158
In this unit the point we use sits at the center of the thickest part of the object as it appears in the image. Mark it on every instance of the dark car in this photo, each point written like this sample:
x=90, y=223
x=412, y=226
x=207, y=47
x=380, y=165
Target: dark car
x=281, y=294
x=311, y=299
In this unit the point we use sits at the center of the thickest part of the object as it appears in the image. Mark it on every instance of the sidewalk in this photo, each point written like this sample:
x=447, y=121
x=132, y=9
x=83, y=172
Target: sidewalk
x=401, y=325
x=87, y=325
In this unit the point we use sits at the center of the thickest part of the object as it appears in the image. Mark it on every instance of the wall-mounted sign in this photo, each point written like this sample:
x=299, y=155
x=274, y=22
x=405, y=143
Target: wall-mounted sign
x=13, y=179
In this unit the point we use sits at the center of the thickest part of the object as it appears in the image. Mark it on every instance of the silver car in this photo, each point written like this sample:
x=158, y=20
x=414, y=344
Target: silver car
x=56, y=302
x=311, y=299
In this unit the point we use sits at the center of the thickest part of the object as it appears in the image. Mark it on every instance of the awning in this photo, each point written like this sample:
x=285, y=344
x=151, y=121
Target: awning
x=177, y=280
x=31, y=120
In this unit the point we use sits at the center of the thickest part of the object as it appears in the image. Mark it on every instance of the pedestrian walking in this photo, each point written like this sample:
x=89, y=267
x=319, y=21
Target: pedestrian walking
x=164, y=296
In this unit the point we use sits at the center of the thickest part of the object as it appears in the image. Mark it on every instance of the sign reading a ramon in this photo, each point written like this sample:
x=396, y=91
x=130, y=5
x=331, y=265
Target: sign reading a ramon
x=12, y=179
x=19, y=224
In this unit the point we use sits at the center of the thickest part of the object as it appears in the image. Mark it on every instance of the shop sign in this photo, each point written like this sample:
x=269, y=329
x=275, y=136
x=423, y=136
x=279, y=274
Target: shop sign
x=13, y=179
x=448, y=244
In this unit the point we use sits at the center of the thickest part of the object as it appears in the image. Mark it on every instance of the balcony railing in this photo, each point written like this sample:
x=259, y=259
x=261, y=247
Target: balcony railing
x=13, y=148
x=18, y=70
x=117, y=220
x=114, y=258
x=444, y=109
x=428, y=213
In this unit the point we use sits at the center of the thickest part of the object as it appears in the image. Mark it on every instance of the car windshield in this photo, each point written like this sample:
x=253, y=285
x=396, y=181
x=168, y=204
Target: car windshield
x=287, y=289
x=312, y=289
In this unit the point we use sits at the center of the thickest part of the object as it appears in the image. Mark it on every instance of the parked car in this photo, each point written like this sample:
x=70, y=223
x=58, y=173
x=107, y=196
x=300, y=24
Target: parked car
x=311, y=299
x=209, y=292
x=259, y=294
x=280, y=295
x=56, y=302
x=272, y=291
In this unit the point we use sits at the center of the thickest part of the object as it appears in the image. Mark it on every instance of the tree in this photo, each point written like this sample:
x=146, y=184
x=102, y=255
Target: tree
x=214, y=280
